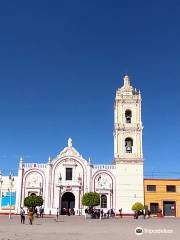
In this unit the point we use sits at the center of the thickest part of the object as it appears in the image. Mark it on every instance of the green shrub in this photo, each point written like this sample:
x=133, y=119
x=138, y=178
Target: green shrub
x=33, y=201
x=91, y=199
x=137, y=206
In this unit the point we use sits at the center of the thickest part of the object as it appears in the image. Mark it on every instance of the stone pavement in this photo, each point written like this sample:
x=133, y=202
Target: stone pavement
x=77, y=228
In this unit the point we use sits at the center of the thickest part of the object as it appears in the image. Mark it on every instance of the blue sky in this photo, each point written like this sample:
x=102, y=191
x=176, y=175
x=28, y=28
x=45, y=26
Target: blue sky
x=60, y=65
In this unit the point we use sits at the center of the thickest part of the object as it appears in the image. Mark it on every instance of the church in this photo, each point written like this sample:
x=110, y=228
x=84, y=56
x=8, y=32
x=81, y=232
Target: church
x=63, y=180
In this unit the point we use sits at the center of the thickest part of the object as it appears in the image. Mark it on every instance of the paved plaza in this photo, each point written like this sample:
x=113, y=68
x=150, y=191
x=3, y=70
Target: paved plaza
x=76, y=228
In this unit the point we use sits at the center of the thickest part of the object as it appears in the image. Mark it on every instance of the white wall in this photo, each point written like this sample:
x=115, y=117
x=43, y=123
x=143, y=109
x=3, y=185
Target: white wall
x=129, y=186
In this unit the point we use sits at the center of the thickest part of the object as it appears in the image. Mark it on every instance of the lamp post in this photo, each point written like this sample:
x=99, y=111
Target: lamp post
x=100, y=217
x=100, y=184
x=11, y=179
x=111, y=194
x=80, y=185
x=60, y=188
x=40, y=189
x=1, y=182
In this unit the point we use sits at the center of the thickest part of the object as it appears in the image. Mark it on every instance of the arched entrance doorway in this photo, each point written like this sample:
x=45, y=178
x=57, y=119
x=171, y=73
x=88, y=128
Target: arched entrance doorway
x=67, y=201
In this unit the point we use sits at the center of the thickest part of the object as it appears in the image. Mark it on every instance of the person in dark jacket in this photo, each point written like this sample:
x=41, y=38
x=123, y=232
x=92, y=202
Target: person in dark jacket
x=22, y=214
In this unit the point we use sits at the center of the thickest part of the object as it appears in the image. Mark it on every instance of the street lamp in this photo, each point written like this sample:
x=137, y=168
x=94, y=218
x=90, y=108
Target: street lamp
x=111, y=194
x=80, y=185
x=40, y=189
x=60, y=188
x=100, y=184
x=1, y=182
x=11, y=179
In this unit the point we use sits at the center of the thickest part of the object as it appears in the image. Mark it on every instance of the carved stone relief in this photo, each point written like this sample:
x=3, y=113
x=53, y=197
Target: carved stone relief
x=34, y=180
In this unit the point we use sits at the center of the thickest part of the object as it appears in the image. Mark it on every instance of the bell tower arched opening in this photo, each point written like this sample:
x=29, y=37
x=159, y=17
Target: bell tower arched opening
x=128, y=145
x=128, y=116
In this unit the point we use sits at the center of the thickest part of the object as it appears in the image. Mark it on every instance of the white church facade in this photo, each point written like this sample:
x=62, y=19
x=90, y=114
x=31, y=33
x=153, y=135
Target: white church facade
x=64, y=179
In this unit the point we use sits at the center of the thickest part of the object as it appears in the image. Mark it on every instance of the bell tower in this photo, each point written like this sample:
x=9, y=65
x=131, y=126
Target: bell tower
x=128, y=152
x=127, y=123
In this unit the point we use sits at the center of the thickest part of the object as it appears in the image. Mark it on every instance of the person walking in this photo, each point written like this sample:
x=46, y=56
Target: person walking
x=22, y=214
x=41, y=210
x=30, y=215
x=149, y=213
x=144, y=213
x=120, y=212
x=57, y=214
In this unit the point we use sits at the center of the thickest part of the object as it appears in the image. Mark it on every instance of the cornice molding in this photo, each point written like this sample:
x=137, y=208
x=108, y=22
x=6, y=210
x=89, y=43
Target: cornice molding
x=127, y=161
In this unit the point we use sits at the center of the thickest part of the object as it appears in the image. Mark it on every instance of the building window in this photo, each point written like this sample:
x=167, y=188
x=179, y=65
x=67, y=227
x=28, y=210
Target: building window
x=151, y=188
x=128, y=145
x=171, y=188
x=128, y=116
x=68, y=173
x=103, y=201
x=154, y=208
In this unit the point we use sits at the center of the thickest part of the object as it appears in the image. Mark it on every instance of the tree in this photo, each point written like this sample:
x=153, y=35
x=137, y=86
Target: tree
x=137, y=206
x=33, y=201
x=91, y=199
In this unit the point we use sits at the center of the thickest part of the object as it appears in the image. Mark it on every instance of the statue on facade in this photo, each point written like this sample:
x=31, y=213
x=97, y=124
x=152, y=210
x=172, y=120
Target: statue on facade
x=69, y=142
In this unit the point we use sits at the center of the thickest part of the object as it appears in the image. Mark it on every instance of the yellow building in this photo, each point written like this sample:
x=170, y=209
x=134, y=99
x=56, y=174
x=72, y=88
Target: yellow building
x=162, y=194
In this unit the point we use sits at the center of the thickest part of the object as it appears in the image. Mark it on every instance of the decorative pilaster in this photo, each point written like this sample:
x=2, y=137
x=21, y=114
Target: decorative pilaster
x=19, y=187
x=47, y=200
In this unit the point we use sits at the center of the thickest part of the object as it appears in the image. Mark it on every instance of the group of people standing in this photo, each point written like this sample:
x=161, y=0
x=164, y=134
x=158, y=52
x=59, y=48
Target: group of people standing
x=144, y=213
x=39, y=211
x=100, y=213
x=23, y=216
